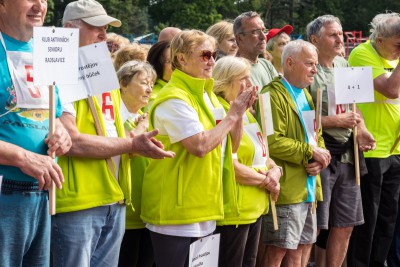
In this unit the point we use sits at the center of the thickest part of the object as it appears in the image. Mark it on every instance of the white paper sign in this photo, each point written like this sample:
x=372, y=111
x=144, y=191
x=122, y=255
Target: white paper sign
x=309, y=121
x=204, y=252
x=353, y=85
x=266, y=98
x=96, y=74
x=55, y=55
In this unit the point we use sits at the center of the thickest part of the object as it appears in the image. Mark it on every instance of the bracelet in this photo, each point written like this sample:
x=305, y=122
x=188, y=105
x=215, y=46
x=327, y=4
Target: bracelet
x=234, y=156
x=280, y=168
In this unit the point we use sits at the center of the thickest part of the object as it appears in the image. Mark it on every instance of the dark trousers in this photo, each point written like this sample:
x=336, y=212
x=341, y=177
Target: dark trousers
x=239, y=244
x=171, y=251
x=136, y=249
x=370, y=242
x=393, y=258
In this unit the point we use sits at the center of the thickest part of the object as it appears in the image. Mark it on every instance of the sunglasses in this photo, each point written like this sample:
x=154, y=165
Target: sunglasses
x=207, y=54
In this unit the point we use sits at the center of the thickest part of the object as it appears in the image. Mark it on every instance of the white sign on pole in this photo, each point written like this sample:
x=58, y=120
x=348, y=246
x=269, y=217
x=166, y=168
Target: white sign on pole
x=266, y=98
x=204, y=252
x=353, y=85
x=96, y=74
x=55, y=55
x=310, y=123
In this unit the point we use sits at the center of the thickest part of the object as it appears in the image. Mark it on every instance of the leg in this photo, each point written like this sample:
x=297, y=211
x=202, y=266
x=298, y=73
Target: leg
x=250, y=252
x=146, y=255
x=320, y=247
x=305, y=254
x=129, y=253
x=338, y=242
x=232, y=244
x=273, y=256
x=294, y=256
x=393, y=259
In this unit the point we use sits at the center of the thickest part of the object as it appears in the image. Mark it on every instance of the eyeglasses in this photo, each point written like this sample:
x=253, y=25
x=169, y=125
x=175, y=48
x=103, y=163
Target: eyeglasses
x=207, y=54
x=256, y=32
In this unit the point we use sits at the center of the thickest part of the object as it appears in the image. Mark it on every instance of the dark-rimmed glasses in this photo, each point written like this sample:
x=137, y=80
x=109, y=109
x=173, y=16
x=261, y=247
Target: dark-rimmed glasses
x=256, y=32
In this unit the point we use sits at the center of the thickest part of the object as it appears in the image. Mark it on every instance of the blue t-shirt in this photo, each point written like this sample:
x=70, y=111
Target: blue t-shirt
x=26, y=128
x=300, y=100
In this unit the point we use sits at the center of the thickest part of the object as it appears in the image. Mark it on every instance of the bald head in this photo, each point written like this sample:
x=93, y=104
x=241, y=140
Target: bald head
x=168, y=33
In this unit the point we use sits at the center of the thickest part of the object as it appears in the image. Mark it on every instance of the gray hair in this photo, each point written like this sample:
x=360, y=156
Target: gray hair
x=315, y=26
x=238, y=22
x=294, y=48
x=271, y=42
x=133, y=67
x=385, y=25
x=76, y=23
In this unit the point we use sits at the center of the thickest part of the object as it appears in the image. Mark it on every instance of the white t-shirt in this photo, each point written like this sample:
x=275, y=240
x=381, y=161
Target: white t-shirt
x=178, y=120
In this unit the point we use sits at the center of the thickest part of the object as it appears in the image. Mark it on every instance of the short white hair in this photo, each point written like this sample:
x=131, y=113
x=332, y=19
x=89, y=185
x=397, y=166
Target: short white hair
x=294, y=48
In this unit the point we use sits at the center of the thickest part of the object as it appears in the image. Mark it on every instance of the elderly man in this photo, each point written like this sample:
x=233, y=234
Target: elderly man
x=341, y=208
x=168, y=33
x=26, y=170
x=89, y=226
x=276, y=41
x=293, y=148
x=380, y=188
x=250, y=33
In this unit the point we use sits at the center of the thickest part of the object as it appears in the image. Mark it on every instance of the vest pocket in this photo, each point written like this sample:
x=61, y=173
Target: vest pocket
x=180, y=187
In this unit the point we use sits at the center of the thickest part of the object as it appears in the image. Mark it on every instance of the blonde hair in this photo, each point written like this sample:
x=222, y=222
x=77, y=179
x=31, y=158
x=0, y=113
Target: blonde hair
x=226, y=70
x=185, y=41
x=220, y=30
x=133, y=67
x=129, y=52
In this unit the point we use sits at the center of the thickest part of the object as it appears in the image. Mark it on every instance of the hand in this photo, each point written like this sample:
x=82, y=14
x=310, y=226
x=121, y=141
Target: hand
x=314, y=168
x=147, y=146
x=348, y=120
x=43, y=168
x=60, y=142
x=321, y=155
x=243, y=101
x=271, y=181
x=365, y=140
x=142, y=124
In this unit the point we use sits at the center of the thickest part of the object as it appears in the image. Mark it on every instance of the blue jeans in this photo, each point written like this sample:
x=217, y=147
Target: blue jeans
x=24, y=229
x=89, y=237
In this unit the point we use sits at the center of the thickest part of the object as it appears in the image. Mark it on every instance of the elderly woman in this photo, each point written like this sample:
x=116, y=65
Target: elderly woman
x=159, y=57
x=184, y=196
x=276, y=41
x=136, y=80
x=239, y=237
x=226, y=43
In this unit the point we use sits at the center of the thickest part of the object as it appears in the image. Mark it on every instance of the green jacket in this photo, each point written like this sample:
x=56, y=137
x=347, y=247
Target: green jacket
x=88, y=181
x=252, y=200
x=288, y=147
x=187, y=189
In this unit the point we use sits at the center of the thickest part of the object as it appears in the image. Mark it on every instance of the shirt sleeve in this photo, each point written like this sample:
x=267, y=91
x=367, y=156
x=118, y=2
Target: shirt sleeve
x=69, y=108
x=177, y=119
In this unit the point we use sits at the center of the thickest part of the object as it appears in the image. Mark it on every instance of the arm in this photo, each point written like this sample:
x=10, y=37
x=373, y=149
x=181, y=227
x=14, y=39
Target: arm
x=41, y=167
x=389, y=86
x=343, y=120
x=365, y=139
x=60, y=141
x=202, y=143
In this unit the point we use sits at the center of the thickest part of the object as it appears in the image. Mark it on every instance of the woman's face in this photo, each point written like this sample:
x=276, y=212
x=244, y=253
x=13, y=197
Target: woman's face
x=243, y=80
x=196, y=63
x=167, y=64
x=228, y=45
x=139, y=90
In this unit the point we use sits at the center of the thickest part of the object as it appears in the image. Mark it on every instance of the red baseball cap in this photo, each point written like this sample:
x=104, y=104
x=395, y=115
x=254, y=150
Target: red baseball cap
x=273, y=32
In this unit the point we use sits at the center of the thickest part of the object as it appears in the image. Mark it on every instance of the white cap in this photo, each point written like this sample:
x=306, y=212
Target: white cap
x=91, y=12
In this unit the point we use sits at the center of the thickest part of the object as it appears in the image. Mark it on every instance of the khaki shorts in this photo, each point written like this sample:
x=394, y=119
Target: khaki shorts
x=297, y=225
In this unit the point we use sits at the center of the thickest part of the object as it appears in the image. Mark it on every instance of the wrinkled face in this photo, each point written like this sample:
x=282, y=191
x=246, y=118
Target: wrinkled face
x=18, y=17
x=89, y=34
x=304, y=67
x=167, y=64
x=330, y=42
x=388, y=48
x=139, y=89
x=228, y=45
x=243, y=80
x=195, y=64
x=251, y=38
x=279, y=43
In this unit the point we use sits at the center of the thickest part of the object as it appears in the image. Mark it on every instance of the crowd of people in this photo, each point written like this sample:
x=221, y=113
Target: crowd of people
x=177, y=152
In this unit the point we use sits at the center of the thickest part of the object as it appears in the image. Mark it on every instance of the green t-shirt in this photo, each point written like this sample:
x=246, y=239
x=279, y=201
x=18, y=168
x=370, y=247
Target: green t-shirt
x=324, y=77
x=381, y=117
x=262, y=73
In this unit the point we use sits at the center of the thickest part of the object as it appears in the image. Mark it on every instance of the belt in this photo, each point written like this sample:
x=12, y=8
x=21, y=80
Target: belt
x=9, y=186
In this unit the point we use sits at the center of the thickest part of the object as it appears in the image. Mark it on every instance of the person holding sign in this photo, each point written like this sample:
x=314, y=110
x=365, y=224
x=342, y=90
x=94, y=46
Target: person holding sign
x=90, y=221
x=293, y=146
x=240, y=236
x=184, y=196
x=26, y=166
x=136, y=79
x=380, y=188
x=341, y=208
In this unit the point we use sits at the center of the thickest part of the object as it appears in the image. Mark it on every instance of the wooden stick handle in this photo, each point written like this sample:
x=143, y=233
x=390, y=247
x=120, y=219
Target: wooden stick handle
x=356, y=156
x=52, y=128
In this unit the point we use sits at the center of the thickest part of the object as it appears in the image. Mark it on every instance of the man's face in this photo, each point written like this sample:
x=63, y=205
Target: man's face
x=251, y=37
x=89, y=34
x=389, y=48
x=330, y=42
x=18, y=17
x=303, y=66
